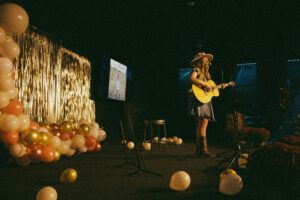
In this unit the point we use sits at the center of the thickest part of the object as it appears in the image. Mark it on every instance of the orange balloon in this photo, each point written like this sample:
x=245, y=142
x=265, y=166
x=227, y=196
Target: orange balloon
x=10, y=138
x=90, y=143
x=98, y=147
x=14, y=107
x=34, y=125
x=48, y=154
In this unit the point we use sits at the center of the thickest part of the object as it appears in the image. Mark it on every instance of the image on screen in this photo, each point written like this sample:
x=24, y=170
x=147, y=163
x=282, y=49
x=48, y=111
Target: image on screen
x=117, y=81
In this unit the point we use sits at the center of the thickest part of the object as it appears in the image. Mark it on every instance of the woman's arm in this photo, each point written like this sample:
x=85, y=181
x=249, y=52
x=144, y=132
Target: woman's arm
x=199, y=83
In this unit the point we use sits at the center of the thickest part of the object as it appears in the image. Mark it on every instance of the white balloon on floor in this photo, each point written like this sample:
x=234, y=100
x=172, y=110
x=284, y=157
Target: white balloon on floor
x=180, y=181
x=231, y=184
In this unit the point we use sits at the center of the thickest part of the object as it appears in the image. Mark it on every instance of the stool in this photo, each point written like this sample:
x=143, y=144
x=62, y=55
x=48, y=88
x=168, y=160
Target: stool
x=148, y=130
x=159, y=126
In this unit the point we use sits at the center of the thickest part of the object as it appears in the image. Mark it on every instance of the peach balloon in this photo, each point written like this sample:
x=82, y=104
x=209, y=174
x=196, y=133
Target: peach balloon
x=2, y=35
x=15, y=107
x=47, y=193
x=6, y=83
x=6, y=64
x=55, y=142
x=10, y=123
x=9, y=49
x=12, y=92
x=10, y=138
x=180, y=181
x=24, y=122
x=77, y=141
x=13, y=18
x=16, y=150
x=4, y=99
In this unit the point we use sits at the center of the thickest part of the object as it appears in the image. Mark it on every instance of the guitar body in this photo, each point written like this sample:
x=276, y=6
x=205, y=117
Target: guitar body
x=204, y=96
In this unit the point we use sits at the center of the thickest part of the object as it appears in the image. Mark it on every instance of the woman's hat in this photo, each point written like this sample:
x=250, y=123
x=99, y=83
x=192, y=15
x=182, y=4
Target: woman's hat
x=200, y=55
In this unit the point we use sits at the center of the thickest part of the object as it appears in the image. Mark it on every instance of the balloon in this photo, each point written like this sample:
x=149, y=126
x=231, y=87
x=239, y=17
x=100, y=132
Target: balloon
x=68, y=176
x=231, y=184
x=10, y=138
x=84, y=129
x=32, y=136
x=227, y=171
x=2, y=35
x=66, y=126
x=6, y=64
x=147, y=146
x=34, y=152
x=48, y=154
x=179, y=141
x=12, y=92
x=44, y=137
x=47, y=193
x=90, y=143
x=77, y=141
x=98, y=147
x=64, y=135
x=6, y=83
x=34, y=125
x=101, y=136
x=13, y=18
x=16, y=150
x=180, y=181
x=54, y=142
x=4, y=99
x=9, y=49
x=54, y=126
x=57, y=155
x=71, y=152
x=24, y=122
x=82, y=149
x=10, y=123
x=130, y=145
x=63, y=148
x=15, y=107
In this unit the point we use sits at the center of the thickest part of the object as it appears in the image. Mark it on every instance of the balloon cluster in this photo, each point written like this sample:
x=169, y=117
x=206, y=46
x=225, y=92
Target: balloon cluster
x=26, y=140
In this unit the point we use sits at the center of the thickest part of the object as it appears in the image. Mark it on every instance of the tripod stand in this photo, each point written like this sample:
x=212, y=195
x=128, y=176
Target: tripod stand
x=141, y=165
x=237, y=151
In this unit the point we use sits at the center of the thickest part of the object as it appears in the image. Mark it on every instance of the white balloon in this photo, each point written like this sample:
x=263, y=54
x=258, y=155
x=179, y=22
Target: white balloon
x=24, y=122
x=55, y=142
x=4, y=99
x=47, y=193
x=82, y=149
x=16, y=150
x=180, y=181
x=6, y=83
x=231, y=184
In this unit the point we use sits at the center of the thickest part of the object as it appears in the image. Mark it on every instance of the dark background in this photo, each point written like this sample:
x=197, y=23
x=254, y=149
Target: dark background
x=156, y=38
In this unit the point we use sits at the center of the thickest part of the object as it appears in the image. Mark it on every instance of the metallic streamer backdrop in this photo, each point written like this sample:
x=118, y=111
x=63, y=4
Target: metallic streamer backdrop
x=53, y=82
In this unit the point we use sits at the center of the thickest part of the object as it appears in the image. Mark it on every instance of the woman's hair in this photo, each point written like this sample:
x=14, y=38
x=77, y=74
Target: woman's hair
x=204, y=72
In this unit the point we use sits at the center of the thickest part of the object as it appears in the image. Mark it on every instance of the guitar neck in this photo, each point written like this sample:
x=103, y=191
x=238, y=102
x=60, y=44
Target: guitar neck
x=220, y=86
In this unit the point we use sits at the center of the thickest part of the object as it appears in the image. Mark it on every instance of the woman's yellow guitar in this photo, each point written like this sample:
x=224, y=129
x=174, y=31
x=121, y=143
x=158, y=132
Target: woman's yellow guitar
x=204, y=96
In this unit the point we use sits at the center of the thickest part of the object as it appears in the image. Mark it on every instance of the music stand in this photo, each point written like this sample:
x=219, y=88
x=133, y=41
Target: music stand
x=141, y=167
x=127, y=160
x=237, y=151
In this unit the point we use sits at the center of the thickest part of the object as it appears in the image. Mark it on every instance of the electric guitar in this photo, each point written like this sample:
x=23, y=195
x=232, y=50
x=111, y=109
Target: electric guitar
x=205, y=96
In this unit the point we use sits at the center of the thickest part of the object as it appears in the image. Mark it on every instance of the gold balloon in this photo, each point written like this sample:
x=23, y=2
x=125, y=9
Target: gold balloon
x=57, y=156
x=32, y=136
x=227, y=171
x=44, y=137
x=66, y=126
x=68, y=176
x=84, y=129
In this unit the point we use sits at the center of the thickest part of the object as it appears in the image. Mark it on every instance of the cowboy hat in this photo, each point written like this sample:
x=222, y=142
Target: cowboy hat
x=201, y=55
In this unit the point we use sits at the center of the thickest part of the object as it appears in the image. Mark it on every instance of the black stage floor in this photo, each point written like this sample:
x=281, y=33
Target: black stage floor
x=99, y=176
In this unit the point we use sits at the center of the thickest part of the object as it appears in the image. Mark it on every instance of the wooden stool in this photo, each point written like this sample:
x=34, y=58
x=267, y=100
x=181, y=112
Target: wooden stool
x=159, y=129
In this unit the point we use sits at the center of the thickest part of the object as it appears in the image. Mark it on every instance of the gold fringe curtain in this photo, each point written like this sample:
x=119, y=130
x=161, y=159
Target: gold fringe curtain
x=53, y=82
